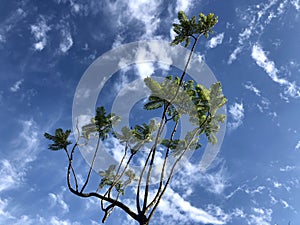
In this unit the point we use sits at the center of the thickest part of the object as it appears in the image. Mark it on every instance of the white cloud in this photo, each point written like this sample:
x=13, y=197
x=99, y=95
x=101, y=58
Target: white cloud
x=261, y=216
x=145, y=11
x=175, y=207
x=183, y=5
x=262, y=61
x=258, y=16
x=24, y=150
x=56, y=221
x=215, y=182
x=214, y=41
x=118, y=41
x=236, y=111
x=233, y=55
x=285, y=204
x=16, y=86
x=67, y=41
x=273, y=200
x=269, y=66
x=39, y=32
x=7, y=215
x=10, y=176
x=57, y=199
x=10, y=22
x=296, y=4
x=251, y=87
x=288, y=168
x=277, y=184
x=2, y=38
x=10, y=215
x=4, y=214
x=297, y=145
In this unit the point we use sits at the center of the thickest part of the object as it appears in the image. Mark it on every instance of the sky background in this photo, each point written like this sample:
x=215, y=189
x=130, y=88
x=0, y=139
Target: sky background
x=45, y=47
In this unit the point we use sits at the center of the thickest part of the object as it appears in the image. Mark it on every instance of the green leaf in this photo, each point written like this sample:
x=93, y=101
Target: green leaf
x=154, y=103
x=182, y=16
x=153, y=85
x=60, y=139
x=125, y=136
x=217, y=99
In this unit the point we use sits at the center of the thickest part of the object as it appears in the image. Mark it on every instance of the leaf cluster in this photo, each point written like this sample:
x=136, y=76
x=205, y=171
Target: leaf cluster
x=59, y=139
x=187, y=28
x=110, y=178
x=198, y=102
x=101, y=124
x=137, y=137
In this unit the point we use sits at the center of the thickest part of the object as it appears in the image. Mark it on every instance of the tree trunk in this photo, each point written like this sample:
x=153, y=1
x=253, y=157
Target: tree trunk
x=143, y=220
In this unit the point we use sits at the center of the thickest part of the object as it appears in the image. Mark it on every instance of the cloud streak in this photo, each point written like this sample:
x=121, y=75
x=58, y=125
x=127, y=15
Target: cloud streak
x=261, y=59
x=215, y=41
x=16, y=86
x=13, y=168
x=39, y=31
x=236, y=112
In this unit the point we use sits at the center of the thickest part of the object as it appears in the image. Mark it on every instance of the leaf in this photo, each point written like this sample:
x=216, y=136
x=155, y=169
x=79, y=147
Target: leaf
x=125, y=136
x=154, y=103
x=87, y=130
x=104, y=122
x=182, y=16
x=60, y=139
x=217, y=99
x=153, y=85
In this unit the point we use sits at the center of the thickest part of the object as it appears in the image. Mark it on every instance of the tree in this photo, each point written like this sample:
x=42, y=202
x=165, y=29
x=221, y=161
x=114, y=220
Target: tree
x=174, y=97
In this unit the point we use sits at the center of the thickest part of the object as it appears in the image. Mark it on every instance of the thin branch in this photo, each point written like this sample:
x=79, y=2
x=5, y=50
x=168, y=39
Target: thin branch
x=72, y=169
x=115, y=181
x=164, y=116
x=159, y=132
x=91, y=166
x=199, y=130
x=109, y=209
x=163, y=171
x=95, y=194
x=169, y=178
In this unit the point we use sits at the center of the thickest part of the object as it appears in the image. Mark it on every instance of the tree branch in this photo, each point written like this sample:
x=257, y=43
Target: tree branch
x=95, y=194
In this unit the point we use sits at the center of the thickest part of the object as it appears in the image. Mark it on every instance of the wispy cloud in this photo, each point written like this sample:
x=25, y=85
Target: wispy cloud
x=214, y=41
x=57, y=199
x=287, y=168
x=249, y=86
x=67, y=41
x=260, y=216
x=296, y=4
x=39, y=31
x=215, y=182
x=233, y=55
x=13, y=168
x=258, y=16
x=236, y=112
x=10, y=22
x=277, y=184
x=2, y=38
x=16, y=86
x=177, y=209
x=261, y=59
x=145, y=12
x=10, y=176
x=183, y=5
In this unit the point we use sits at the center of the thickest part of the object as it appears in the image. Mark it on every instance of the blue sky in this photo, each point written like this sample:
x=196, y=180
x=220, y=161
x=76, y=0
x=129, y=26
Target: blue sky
x=45, y=48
